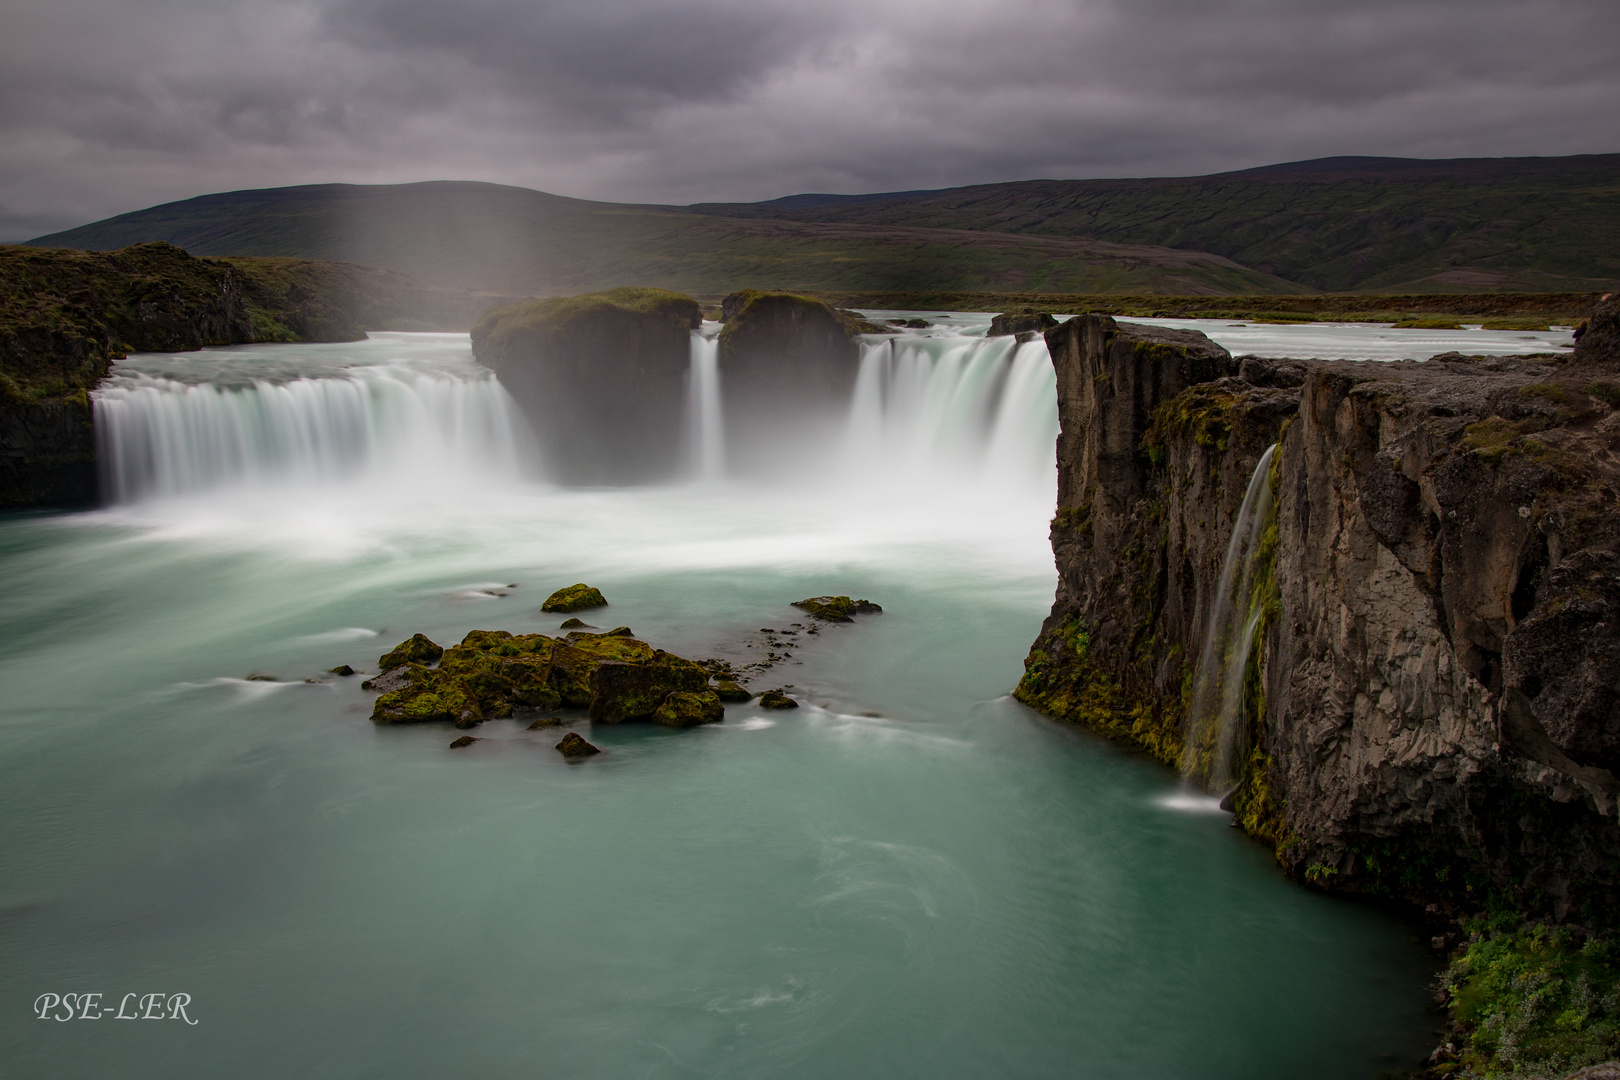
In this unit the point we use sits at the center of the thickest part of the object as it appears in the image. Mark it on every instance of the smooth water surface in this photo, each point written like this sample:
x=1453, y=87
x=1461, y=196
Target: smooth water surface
x=911, y=875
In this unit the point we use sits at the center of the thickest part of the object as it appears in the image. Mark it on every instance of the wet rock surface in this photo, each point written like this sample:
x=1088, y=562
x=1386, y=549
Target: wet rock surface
x=417, y=649
x=1027, y=320
x=573, y=745
x=580, y=597
x=1434, y=696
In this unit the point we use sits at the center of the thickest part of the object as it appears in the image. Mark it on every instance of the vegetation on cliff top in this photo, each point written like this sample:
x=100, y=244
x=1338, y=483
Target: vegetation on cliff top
x=501, y=329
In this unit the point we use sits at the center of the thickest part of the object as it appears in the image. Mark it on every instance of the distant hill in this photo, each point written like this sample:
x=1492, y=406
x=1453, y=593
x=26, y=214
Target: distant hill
x=1334, y=224
x=1345, y=224
x=507, y=239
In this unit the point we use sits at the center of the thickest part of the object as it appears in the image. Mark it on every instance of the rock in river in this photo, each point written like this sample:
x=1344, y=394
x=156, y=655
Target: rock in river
x=837, y=608
x=574, y=598
x=418, y=650
x=572, y=746
x=775, y=699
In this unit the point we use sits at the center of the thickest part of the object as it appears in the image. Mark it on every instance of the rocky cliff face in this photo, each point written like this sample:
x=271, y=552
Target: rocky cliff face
x=1432, y=705
x=603, y=376
x=788, y=365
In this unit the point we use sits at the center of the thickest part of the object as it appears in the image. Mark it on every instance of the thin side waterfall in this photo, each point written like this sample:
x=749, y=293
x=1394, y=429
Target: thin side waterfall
x=158, y=437
x=1214, y=725
x=706, y=423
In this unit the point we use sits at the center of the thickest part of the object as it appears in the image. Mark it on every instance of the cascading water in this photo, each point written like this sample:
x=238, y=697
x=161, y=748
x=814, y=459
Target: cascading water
x=161, y=437
x=1214, y=725
x=960, y=407
x=705, y=422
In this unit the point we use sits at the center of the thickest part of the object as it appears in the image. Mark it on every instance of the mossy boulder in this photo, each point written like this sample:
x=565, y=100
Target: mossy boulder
x=775, y=699
x=837, y=608
x=603, y=376
x=415, y=650
x=1025, y=320
x=574, y=598
x=686, y=709
x=574, y=746
x=629, y=691
x=731, y=691
x=494, y=673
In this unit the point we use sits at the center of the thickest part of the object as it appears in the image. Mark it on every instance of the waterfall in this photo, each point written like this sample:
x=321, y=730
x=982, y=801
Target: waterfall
x=1214, y=724
x=954, y=407
x=705, y=424
x=159, y=437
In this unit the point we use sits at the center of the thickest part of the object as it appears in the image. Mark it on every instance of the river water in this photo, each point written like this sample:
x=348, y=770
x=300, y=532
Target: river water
x=911, y=875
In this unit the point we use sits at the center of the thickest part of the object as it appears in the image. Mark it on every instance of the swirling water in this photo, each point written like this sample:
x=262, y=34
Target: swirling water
x=910, y=875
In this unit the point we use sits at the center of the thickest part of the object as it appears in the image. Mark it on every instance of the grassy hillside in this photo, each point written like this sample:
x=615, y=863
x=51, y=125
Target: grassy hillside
x=484, y=236
x=1337, y=224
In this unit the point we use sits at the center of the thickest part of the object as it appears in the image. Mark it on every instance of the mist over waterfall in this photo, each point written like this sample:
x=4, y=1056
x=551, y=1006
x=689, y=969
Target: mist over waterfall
x=949, y=409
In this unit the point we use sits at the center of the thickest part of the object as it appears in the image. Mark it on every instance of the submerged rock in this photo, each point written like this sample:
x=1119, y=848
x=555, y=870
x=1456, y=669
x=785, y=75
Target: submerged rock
x=837, y=608
x=464, y=742
x=911, y=324
x=417, y=650
x=341, y=669
x=728, y=690
x=574, y=624
x=573, y=746
x=574, y=598
x=545, y=722
x=683, y=709
x=775, y=699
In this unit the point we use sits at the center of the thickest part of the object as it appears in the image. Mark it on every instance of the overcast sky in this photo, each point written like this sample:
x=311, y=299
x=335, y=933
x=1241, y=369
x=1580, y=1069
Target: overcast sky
x=112, y=105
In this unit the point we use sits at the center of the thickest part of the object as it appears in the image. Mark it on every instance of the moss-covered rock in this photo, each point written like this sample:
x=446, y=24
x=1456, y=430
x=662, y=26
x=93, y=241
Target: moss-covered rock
x=493, y=673
x=837, y=608
x=574, y=624
x=603, y=375
x=464, y=741
x=775, y=699
x=417, y=649
x=341, y=669
x=573, y=746
x=731, y=691
x=574, y=598
x=687, y=709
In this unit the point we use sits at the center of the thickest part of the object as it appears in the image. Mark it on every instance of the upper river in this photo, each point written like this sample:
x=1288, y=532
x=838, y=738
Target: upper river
x=910, y=876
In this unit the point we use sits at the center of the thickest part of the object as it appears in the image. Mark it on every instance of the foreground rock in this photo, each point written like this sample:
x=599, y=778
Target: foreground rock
x=574, y=598
x=493, y=673
x=418, y=649
x=602, y=375
x=574, y=746
x=1434, y=689
x=837, y=608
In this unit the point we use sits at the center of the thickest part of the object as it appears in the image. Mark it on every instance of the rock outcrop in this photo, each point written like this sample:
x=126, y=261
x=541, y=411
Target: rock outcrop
x=1021, y=321
x=837, y=608
x=603, y=377
x=1432, y=706
x=493, y=673
x=788, y=365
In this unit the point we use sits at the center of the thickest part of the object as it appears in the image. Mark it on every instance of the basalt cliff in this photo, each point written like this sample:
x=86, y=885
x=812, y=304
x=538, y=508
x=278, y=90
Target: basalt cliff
x=1424, y=699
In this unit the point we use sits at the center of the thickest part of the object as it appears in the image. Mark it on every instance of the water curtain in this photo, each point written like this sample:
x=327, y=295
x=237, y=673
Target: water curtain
x=1215, y=724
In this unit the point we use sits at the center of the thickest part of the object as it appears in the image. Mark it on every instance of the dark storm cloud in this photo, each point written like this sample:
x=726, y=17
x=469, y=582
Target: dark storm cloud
x=107, y=106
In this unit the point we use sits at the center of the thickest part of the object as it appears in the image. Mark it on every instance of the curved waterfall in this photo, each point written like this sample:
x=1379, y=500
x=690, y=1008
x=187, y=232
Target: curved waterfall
x=160, y=437
x=950, y=409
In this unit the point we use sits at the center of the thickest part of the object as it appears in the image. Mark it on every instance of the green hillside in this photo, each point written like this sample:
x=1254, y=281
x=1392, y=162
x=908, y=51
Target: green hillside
x=1337, y=224
x=505, y=239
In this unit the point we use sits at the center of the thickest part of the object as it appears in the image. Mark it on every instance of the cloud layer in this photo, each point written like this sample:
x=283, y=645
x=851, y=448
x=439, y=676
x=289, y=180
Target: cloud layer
x=107, y=107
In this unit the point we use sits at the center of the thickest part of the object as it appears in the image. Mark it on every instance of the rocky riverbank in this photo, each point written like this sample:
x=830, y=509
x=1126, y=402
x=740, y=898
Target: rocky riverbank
x=1425, y=701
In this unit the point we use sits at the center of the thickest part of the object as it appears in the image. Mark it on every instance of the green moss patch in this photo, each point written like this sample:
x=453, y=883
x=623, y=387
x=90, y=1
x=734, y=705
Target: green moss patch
x=574, y=598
